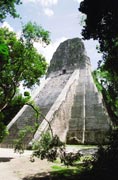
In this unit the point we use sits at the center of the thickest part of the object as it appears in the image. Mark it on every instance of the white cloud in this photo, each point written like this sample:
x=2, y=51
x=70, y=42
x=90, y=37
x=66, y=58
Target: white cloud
x=48, y=12
x=48, y=2
x=44, y=3
x=28, y=1
x=79, y=1
x=48, y=51
x=6, y=24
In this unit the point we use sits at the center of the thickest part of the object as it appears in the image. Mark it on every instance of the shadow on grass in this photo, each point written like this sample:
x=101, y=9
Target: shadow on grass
x=62, y=173
x=58, y=176
x=72, y=174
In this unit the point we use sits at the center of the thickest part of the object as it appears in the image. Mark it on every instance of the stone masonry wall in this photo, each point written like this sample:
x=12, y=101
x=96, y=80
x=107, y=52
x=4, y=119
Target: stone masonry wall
x=60, y=112
x=44, y=99
x=89, y=122
x=69, y=100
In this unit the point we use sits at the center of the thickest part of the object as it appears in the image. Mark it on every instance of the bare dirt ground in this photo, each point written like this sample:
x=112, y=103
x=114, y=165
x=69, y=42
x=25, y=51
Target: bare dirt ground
x=14, y=166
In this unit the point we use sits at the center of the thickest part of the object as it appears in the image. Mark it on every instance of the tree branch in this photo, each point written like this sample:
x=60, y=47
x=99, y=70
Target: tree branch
x=37, y=112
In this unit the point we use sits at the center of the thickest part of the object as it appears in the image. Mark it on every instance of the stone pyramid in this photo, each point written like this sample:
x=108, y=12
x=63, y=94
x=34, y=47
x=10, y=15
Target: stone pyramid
x=69, y=100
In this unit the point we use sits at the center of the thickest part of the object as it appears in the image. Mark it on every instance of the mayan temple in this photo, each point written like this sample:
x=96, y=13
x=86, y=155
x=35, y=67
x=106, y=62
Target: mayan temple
x=69, y=100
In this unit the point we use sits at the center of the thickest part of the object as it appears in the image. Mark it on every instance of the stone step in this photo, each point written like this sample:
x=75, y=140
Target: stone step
x=44, y=99
x=88, y=114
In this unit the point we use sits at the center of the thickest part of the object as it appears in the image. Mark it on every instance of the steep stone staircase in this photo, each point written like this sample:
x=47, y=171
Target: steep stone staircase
x=89, y=123
x=27, y=116
x=69, y=100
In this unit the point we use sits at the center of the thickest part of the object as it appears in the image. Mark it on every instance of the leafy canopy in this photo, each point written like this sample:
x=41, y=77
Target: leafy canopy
x=8, y=7
x=34, y=33
x=101, y=20
x=101, y=24
x=20, y=61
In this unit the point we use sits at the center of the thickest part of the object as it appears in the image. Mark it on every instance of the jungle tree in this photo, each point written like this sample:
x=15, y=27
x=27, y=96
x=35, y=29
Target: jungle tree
x=19, y=60
x=101, y=24
x=8, y=7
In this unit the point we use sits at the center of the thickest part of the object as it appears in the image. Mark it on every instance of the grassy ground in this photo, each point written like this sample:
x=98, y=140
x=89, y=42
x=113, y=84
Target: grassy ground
x=61, y=172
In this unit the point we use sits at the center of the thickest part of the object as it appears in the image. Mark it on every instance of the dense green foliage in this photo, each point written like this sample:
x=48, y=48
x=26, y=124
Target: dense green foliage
x=3, y=129
x=101, y=21
x=51, y=148
x=13, y=107
x=105, y=164
x=19, y=145
x=20, y=61
x=34, y=33
x=101, y=24
x=105, y=83
x=8, y=7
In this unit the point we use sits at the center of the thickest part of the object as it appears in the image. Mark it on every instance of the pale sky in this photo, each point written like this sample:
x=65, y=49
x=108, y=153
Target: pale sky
x=60, y=17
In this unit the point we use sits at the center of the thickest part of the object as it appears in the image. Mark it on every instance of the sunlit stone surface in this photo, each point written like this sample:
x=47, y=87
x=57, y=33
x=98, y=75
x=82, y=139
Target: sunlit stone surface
x=69, y=100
